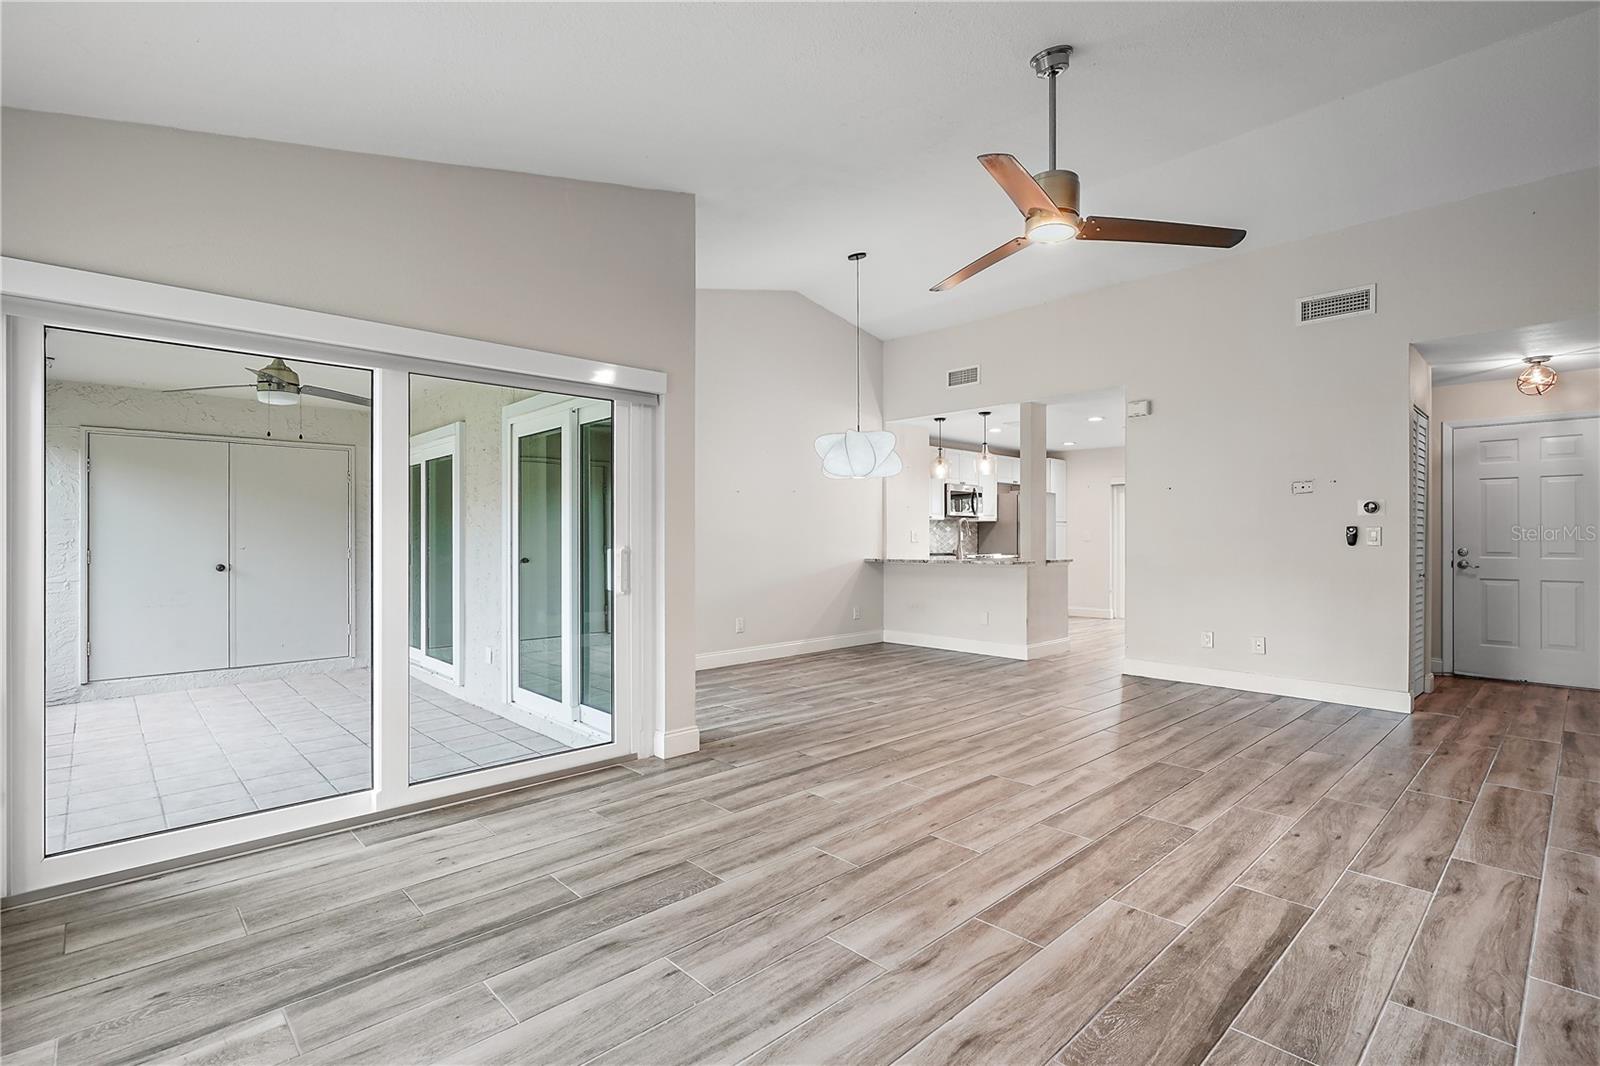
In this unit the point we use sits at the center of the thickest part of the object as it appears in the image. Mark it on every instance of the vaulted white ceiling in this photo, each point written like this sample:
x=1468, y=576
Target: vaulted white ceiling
x=807, y=131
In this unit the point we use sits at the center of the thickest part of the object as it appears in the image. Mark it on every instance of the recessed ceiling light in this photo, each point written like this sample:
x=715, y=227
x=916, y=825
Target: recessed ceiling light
x=1097, y=418
x=1068, y=443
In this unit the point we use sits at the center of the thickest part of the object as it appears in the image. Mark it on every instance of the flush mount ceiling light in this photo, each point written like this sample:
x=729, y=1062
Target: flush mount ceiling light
x=1538, y=379
x=941, y=466
x=985, y=460
x=1069, y=444
x=855, y=454
x=1097, y=418
x=1049, y=201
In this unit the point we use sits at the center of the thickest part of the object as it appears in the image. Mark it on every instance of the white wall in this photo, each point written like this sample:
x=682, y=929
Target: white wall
x=72, y=405
x=599, y=271
x=1089, y=477
x=779, y=544
x=1577, y=390
x=1247, y=401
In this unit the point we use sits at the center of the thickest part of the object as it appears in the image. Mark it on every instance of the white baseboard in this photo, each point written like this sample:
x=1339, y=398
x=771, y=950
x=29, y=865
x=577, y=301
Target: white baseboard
x=1322, y=691
x=996, y=648
x=710, y=660
x=1436, y=666
x=672, y=743
x=1089, y=612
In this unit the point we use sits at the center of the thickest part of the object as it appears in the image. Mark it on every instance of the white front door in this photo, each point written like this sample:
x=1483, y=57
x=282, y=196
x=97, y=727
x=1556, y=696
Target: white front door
x=1524, y=562
x=157, y=555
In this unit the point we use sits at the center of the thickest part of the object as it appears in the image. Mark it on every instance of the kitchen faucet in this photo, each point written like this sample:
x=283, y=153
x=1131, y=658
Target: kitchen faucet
x=961, y=540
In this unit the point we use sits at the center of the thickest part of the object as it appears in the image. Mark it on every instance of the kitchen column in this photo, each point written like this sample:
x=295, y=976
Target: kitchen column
x=1032, y=513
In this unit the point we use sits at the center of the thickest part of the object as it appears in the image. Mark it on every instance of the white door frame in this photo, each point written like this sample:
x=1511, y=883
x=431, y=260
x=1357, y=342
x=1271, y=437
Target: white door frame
x=1119, y=550
x=1447, y=454
x=34, y=296
x=436, y=444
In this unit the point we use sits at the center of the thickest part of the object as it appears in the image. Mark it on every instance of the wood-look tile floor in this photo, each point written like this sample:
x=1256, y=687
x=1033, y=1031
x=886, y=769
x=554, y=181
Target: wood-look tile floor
x=897, y=855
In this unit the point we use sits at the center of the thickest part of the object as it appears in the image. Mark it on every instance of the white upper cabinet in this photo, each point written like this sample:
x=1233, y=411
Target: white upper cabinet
x=965, y=467
x=1010, y=469
x=1055, y=471
x=936, y=498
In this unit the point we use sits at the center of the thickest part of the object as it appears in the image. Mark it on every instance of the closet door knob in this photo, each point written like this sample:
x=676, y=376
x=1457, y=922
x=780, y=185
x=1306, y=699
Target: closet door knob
x=221, y=567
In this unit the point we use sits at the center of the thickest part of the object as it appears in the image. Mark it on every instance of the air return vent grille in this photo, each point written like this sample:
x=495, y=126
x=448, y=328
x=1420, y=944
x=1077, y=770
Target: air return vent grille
x=1341, y=304
x=967, y=375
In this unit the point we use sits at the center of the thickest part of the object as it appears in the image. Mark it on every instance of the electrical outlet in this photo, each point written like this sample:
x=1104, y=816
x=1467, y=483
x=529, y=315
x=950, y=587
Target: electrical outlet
x=1258, y=645
x=1208, y=639
x=855, y=613
x=1300, y=488
x=738, y=624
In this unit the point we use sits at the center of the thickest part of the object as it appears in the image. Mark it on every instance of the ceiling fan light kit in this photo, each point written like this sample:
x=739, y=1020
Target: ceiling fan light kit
x=854, y=453
x=1049, y=200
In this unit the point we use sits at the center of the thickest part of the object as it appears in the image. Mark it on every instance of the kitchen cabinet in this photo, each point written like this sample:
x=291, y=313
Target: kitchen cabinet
x=1055, y=471
x=1009, y=469
x=936, y=498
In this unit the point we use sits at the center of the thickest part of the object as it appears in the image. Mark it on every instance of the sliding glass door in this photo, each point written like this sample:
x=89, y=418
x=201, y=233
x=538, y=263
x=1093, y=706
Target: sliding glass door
x=562, y=504
x=434, y=503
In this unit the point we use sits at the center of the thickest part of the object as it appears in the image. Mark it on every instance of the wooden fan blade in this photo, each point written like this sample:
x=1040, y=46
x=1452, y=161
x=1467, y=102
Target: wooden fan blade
x=210, y=388
x=1143, y=231
x=1018, y=184
x=334, y=394
x=1011, y=247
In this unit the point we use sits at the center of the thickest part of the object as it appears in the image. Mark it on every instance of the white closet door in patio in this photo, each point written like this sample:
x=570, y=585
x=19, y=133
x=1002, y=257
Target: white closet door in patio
x=157, y=533
x=291, y=553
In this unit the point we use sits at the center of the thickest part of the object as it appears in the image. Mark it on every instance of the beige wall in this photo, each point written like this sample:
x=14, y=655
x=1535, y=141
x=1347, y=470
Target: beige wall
x=780, y=545
x=1575, y=391
x=599, y=271
x=1247, y=401
x=1090, y=474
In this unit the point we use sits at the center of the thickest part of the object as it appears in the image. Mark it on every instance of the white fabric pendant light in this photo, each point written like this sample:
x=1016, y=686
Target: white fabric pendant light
x=853, y=453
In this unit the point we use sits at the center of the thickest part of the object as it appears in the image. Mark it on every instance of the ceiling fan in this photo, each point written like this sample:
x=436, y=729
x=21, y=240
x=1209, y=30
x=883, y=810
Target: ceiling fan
x=278, y=385
x=1049, y=201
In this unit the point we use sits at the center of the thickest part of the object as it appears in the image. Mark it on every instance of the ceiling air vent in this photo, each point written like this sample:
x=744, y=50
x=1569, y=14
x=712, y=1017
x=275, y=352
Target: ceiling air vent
x=967, y=375
x=1341, y=304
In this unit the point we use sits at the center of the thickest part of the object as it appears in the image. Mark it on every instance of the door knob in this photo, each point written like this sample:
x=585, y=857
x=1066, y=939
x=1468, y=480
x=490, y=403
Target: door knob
x=1461, y=551
x=221, y=567
x=1462, y=564
x=523, y=559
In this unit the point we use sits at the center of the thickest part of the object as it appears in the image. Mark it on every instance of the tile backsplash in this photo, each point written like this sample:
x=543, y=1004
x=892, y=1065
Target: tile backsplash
x=943, y=535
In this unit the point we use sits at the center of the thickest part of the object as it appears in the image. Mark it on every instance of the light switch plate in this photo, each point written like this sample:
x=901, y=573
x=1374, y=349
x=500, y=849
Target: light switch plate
x=1258, y=645
x=1208, y=639
x=1374, y=536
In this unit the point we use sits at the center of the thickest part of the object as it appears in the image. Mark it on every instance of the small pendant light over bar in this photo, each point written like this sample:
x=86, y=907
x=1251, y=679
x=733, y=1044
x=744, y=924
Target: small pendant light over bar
x=985, y=460
x=855, y=454
x=941, y=466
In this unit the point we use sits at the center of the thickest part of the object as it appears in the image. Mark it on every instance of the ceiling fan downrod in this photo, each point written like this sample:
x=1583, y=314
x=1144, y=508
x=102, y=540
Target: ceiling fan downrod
x=1048, y=65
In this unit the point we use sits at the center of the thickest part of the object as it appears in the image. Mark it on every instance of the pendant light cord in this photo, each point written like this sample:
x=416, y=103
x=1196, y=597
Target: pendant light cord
x=858, y=345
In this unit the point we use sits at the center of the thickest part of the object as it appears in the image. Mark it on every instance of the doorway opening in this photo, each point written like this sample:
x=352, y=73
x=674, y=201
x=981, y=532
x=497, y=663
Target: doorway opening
x=1511, y=520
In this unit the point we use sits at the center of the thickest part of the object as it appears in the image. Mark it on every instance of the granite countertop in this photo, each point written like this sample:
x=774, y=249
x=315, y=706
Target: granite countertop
x=951, y=560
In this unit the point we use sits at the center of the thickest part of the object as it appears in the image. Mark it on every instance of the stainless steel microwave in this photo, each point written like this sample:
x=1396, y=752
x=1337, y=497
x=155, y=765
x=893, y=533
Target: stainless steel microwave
x=962, y=501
